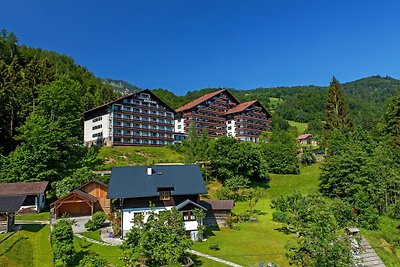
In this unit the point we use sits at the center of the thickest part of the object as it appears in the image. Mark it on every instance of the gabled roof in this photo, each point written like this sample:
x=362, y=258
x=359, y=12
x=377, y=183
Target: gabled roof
x=303, y=136
x=76, y=192
x=217, y=204
x=187, y=202
x=133, y=181
x=94, y=181
x=203, y=98
x=23, y=188
x=242, y=106
x=147, y=91
x=11, y=203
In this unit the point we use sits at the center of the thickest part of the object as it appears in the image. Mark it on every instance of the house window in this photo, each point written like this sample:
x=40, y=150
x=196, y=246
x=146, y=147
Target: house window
x=97, y=127
x=188, y=216
x=165, y=195
x=97, y=119
x=144, y=96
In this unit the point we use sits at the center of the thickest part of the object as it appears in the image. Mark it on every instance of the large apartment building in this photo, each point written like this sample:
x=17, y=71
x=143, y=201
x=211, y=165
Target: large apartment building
x=137, y=119
x=219, y=113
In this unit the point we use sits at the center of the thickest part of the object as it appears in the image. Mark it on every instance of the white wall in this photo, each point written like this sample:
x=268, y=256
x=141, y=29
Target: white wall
x=89, y=124
x=179, y=125
x=232, y=131
x=129, y=213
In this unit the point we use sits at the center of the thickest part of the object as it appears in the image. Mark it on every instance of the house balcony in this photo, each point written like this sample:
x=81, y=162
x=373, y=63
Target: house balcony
x=219, y=124
x=211, y=116
x=251, y=118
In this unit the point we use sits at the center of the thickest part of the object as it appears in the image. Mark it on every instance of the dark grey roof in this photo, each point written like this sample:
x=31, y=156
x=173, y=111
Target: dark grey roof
x=11, y=203
x=217, y=204
x=133, y=182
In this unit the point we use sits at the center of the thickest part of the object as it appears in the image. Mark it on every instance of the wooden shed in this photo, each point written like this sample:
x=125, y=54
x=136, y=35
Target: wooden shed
x=9, y=205
x=84, y=201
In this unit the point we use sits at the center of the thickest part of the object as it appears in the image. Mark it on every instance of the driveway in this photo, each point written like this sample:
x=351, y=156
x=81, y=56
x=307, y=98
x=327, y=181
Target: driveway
x=79, y=226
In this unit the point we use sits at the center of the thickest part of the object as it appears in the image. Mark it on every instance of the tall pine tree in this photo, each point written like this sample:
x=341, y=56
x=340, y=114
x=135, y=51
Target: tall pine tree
x=337, y=110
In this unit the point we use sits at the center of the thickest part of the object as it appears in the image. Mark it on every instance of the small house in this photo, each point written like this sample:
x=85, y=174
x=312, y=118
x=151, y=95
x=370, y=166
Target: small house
x=34, y=192
x=307, y=139
x=164, y=186
x=83, y=201
x=9, y=205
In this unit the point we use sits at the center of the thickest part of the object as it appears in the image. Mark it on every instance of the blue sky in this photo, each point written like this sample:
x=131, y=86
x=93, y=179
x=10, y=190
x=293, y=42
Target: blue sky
x=188, y=45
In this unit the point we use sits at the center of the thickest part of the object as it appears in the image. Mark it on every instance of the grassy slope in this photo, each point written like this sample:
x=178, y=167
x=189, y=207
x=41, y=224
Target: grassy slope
x=255, y=242
x=43, y=216
x=28, y=247
x=125, y=156
x=301, y=127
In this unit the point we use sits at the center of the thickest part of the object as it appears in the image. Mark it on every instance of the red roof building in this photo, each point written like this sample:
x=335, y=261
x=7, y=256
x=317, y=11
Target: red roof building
x=220, y=114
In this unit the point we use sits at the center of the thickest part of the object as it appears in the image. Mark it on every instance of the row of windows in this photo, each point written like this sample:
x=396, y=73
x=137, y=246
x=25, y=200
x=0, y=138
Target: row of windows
x=100, y=134
x=137, y=118
x=97, y=127
x=132, y=133
x=97, y=119
x=143, y=126
x=143, y=111
x=142, y=141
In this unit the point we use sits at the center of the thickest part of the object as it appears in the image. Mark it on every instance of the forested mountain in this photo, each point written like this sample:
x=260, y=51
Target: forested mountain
x=121, y=86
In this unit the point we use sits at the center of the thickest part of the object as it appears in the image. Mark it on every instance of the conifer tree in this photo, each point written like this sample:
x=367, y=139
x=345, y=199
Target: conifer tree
x=337, y=110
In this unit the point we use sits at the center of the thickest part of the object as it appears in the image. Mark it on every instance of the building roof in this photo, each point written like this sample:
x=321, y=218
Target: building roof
x=304, y=136
x=133, y=181
x=24, y=188
x=11, y=203
x=217, y=204
x=127, y=96
x=76, y=192
x=242, y=106
x=96, y=181
x=203, y=98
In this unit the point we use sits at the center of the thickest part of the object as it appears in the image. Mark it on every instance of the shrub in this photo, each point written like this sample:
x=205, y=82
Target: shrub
x=96, y=222
x=93, y=260
x=214, y=246
x=62, y=239
x=279, y=216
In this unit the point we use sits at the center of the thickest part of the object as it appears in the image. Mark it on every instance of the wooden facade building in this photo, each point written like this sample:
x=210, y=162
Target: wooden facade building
x=84, y=201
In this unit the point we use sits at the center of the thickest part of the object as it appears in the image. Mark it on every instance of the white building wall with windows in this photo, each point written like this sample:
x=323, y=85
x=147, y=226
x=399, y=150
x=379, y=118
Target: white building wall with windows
x=179, y=125
x=98, y=127
x=231, y=128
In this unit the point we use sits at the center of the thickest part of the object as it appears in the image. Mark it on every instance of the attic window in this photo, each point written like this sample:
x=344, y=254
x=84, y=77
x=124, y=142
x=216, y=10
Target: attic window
x=144, y=96
x=165, y=195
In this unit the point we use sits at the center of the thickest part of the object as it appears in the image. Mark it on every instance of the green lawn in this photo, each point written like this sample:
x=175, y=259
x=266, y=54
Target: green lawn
x=28, y=247
x=261, y=241
x=95, y=235
x=125, y=156
x=43, y=216
x=251, y=242
x=306, y=182
x=301, y=127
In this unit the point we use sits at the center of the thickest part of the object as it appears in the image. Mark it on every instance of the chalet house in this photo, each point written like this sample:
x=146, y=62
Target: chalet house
x=9, y=205
x=34, y=194
x=307, y=139
x=137, y=119
x=83, y=201
x=165, y=186
x=219, y=113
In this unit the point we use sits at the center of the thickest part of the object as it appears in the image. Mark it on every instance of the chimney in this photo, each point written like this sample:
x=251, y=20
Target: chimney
x=149, y=171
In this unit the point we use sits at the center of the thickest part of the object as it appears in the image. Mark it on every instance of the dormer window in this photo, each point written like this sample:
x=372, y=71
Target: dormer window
x=165, y=195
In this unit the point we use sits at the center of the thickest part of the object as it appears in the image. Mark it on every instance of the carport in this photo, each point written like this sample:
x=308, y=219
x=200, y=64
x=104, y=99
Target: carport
x=75, y=204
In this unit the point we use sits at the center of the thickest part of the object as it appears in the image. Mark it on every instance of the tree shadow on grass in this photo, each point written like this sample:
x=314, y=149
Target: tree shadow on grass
x=209, y=231
x=20, y=239
x=285, y=230
x=34, y=228
x=259, y=212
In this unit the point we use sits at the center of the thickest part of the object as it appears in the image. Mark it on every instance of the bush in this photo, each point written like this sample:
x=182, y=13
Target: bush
x=214, y=246
x=279, y=216
x=62, y=239
x=93, y=260
x=97, y=221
